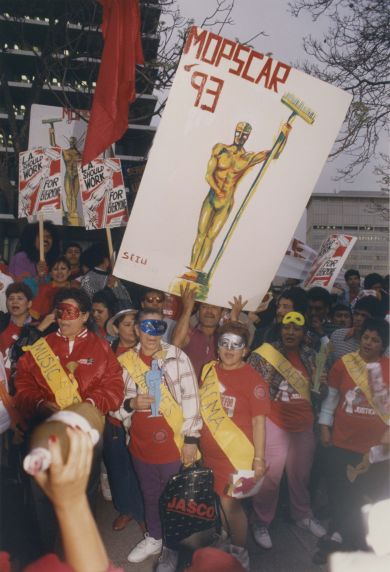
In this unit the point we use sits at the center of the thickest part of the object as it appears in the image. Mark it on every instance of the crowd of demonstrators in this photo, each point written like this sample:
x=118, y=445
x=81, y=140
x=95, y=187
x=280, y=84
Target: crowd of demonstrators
x=267, y=399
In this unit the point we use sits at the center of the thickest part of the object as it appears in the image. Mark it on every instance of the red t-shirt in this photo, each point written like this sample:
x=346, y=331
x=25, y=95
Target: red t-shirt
x=151, y=438
x=289, y=410
x=356, y=426
x=244, y=395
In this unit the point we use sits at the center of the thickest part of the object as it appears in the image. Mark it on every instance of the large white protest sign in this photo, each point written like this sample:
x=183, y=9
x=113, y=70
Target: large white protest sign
x=239, y=149
x=103, y=194
x=297, y=261
x=330, y=259
x=65, y=128
x=40, y=184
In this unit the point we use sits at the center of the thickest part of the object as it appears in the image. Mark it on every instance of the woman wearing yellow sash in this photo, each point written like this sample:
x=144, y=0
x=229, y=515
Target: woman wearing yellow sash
x=234, y=402
x=288, y=367
x=161, y=396
x=354, y=421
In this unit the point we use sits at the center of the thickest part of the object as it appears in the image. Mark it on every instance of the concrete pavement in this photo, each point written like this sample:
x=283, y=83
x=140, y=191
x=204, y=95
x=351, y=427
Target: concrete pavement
x=292, y=547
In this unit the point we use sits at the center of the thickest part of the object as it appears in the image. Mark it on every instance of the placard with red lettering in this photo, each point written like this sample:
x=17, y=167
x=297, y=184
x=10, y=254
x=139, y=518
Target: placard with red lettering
x=236, y=156
x=330, y=259
x=297, y=261
x=65, y=128
x=40, y=183
x=103, y=194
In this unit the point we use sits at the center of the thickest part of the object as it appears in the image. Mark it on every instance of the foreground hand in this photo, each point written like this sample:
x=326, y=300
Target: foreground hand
x=237, y=306
x=260, y=469
x=46, y=322
x=188, y=454
x=42, y=268
x=65, y=483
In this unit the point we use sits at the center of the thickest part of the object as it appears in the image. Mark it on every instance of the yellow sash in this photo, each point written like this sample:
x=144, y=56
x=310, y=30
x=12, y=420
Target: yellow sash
x=357, y=369
x=170, y=409
x=233, y=442
x=284, y=367
x=64, y=386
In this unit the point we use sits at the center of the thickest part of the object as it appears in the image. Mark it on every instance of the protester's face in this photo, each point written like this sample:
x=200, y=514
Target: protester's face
x=149, y=344
x=371, y=346
x=100, y=314
x=47, y=241
x=73, y=254
x=70, y=319
x=342, y=319
x=60, y=272
x=317, y=309
x=358, y=319
x=353, y=282
x=231, y=350
x=153, y=299
x=18, y=305
x=284, y=306
x=292, y=336
x=378, y=289
x=209, y=315
x=126, y=330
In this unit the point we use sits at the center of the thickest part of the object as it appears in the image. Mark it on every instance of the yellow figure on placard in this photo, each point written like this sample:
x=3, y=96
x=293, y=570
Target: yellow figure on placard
x=72, y=158
x=226, y=167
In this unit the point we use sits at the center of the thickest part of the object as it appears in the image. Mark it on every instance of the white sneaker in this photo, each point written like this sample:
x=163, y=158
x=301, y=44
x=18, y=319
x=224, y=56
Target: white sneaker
x=241, y=554
x=168, y=560
x=145, y=548
x=312, y=525
x=261, y=535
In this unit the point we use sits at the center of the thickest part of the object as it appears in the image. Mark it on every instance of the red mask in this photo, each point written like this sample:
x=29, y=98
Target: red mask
x=66, y=311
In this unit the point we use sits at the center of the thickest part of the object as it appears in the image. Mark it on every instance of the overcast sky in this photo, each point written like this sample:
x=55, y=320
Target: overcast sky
x=284, y=40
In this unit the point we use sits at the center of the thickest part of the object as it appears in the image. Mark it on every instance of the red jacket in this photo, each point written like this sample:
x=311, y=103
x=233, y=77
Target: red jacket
x=98, y=373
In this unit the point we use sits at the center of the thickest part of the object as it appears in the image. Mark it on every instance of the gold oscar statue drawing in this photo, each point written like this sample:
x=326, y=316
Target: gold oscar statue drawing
x=228, y=164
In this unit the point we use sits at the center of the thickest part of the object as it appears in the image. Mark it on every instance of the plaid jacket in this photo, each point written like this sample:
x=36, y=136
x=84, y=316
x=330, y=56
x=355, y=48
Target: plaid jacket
x=180, y=379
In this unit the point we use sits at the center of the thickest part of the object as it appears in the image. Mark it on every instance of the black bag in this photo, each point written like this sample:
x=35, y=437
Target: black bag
x=188, y=505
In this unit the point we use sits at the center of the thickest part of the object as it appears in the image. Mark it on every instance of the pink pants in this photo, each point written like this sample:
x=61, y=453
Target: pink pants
x=293, y=452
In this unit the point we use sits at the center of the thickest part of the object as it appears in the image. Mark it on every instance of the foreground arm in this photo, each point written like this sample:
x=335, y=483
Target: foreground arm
x=65, y=485
x=180, y=335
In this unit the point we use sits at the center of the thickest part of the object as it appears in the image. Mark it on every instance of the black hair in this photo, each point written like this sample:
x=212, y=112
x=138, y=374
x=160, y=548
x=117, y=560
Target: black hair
x=95, y=254
x=62, y=259
x=72, y=245
x=371, y=305
x=372, y=279
x=76, y=294
x=146, y=291
x=340, y=308
x=381, y=327
x=108, y=299
x=28, y=237
x=351, y=272
x=319, y=294
x=19, y=288
x=297, y=296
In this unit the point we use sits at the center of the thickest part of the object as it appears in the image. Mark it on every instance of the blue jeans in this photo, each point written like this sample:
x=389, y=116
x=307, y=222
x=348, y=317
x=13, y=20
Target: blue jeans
x=125, y=490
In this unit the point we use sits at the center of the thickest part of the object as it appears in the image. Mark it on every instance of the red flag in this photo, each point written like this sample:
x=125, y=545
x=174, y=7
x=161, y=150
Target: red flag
x=115, y=87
